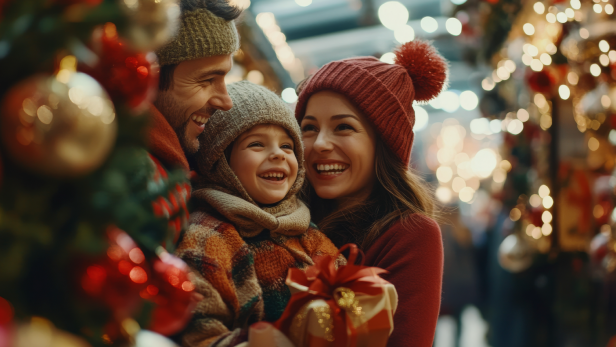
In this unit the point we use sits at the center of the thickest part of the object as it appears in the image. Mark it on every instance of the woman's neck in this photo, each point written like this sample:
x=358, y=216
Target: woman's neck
x=350, y=201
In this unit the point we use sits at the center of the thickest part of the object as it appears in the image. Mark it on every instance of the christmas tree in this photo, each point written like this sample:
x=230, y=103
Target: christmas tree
x=84, y=243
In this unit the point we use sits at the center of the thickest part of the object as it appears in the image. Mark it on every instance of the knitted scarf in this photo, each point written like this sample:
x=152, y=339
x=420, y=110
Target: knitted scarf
x=291, y=217
x=163, y=143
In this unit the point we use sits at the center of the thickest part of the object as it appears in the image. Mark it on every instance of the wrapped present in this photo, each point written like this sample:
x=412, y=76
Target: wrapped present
x=350, y=306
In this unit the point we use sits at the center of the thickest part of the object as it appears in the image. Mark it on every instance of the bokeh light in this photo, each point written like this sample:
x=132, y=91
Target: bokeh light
x=429, y=24
x=393, y=14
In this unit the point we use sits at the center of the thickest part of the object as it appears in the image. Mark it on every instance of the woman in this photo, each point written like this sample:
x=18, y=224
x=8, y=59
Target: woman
x=356, y=117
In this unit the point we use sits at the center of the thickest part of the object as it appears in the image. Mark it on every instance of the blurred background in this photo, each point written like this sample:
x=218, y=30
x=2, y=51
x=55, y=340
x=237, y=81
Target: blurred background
x=519, y=150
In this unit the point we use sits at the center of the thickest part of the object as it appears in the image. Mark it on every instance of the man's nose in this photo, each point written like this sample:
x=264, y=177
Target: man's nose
x=221, y=100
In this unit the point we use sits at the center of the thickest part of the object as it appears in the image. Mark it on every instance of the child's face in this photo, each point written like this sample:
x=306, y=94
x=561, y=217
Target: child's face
x=264, y=161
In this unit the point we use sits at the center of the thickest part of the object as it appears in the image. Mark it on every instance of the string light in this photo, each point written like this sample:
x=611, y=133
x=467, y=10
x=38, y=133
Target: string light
x=564, y=92
x=529, y=29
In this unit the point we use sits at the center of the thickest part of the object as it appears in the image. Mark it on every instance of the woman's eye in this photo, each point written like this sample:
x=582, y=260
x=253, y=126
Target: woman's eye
x=308, y=127
x=342, y=127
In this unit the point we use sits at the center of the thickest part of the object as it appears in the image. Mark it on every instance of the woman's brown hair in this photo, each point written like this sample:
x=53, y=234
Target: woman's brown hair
x=397, y=194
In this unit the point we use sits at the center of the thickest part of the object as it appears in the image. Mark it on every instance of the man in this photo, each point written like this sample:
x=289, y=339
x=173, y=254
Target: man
x=191, y=89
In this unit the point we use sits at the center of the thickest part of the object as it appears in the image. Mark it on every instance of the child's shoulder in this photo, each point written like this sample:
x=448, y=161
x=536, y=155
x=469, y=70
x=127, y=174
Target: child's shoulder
x=205, y=228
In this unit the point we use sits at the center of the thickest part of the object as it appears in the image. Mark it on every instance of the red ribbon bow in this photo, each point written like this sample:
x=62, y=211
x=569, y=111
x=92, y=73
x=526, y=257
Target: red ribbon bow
x=322, y=280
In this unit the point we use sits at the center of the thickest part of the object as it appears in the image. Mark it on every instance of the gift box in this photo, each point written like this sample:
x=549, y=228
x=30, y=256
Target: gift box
x=349, y=306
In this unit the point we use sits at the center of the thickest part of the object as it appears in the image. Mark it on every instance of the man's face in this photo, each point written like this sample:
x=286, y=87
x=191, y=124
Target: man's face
x=197, y=91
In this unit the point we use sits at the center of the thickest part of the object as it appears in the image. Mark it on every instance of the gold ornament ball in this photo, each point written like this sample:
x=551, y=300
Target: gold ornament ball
x=151, y=23
x=62, y=126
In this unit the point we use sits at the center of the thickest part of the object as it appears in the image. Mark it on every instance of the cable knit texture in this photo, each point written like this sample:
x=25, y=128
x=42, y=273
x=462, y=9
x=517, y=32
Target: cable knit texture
x=383, y=92
x=202, y=34
x=241, y=252
x=413, y=256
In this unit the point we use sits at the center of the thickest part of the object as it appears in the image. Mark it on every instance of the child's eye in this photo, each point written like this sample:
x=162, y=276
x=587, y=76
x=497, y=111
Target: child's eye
x=342, y=127
x=255, y=144
x=308, y=127
x=287, y=146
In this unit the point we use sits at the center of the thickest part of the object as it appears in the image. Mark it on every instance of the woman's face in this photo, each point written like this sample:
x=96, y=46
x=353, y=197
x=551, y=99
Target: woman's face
x=340, y=147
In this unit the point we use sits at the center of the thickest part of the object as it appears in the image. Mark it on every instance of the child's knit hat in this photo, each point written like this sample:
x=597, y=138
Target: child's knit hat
x=384, y=92
x=252, y=105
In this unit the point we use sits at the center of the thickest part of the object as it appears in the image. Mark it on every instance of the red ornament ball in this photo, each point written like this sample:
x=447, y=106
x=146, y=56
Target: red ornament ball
x=174, y=293
x=129, y=77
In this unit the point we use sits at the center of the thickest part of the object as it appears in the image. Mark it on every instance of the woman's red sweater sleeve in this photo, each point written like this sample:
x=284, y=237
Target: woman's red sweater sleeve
x=413, y=256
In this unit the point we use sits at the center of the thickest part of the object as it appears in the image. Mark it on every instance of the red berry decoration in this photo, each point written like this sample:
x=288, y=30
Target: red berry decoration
x=128, y=76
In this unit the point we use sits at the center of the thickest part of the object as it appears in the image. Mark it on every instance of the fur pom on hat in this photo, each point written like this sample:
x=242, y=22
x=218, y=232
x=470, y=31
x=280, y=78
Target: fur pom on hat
x=384, y=92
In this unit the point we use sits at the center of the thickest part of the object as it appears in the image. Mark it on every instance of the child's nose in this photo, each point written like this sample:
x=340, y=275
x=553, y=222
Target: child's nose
x=278, y=155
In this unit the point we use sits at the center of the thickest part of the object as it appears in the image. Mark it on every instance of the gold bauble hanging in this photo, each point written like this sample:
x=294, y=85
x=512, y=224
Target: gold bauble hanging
x=151, y=23
x=61, y=125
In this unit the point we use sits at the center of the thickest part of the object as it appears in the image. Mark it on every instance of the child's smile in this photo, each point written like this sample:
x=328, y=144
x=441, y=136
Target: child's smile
x=273, y=176
x=263, y=159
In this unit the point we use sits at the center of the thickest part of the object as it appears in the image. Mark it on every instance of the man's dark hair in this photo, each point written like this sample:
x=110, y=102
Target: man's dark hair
x=220, y=8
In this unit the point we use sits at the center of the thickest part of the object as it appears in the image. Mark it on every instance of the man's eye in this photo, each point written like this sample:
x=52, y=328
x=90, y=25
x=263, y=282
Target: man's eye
x=207, y=81
x=309, y=127
x=344, y=127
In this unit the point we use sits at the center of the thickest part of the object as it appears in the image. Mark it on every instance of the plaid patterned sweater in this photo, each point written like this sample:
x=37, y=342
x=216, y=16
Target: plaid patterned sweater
x=242, y=279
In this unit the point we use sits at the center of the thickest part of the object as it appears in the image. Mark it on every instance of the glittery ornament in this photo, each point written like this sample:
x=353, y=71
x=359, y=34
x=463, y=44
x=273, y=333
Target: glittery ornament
x=152, y=23
x=174, y=294
x=125, y=277
x=129, y=77
x=61, y=125
x=40, y=332
x=514, y=254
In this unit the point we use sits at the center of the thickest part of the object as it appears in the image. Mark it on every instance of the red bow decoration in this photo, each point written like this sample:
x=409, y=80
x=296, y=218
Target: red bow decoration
x=322, y=280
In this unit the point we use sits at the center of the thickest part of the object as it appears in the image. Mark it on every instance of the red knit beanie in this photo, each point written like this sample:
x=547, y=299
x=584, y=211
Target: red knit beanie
x=384, y=92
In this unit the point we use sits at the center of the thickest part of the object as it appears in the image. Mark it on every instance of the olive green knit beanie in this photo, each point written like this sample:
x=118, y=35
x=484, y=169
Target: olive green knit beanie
x=252, y=105
x=202, y=34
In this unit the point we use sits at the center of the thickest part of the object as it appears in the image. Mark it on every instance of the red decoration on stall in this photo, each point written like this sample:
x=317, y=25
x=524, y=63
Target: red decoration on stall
x=129, y=77
x=6, y=312
x=541, y=82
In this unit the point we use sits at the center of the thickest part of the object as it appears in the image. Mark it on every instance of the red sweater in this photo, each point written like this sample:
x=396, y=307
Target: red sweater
x=413, y=256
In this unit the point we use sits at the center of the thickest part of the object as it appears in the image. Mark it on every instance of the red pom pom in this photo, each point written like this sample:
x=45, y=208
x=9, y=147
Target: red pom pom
x=427, y=68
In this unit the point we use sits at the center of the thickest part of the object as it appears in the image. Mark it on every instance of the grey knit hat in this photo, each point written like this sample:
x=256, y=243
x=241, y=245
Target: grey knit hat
x=252, y=105
x=202, y=34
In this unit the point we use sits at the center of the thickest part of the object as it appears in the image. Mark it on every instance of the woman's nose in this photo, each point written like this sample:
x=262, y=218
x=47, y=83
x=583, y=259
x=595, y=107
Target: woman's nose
x=323, y=142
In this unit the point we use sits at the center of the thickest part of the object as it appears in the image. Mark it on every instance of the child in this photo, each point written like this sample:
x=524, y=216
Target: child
x=250, y=227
